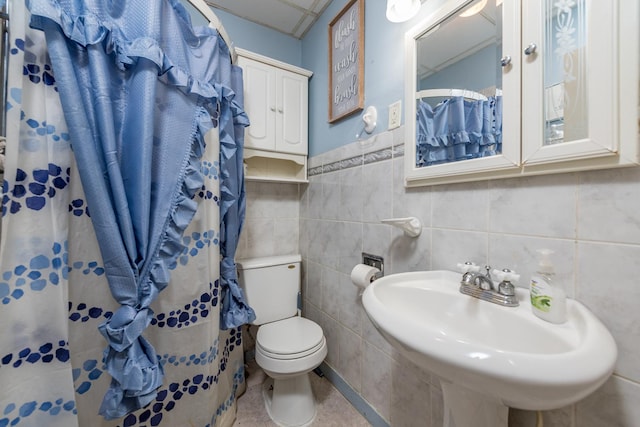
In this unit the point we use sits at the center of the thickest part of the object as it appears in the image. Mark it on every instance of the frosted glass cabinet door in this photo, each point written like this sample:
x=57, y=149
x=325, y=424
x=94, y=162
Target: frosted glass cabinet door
x=569, y=81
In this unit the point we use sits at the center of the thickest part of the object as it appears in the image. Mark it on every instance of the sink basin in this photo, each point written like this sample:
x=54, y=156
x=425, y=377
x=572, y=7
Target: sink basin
x=502, y=355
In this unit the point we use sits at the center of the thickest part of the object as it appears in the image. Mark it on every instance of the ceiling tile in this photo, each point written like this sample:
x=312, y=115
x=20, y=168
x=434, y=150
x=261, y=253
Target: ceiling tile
x=304, y=4
x=292, y=17
x=452, y=40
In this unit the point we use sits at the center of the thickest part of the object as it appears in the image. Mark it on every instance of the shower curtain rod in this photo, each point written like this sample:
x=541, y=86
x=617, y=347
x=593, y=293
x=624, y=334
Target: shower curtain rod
x=437, y=93
x=203, y=7
x=4, y=65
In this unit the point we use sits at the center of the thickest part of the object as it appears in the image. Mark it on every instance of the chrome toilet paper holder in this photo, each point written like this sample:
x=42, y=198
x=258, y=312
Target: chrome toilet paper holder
x=374, y=261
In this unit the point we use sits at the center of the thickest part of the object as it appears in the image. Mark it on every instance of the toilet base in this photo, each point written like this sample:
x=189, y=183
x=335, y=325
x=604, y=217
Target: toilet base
x=290, y=402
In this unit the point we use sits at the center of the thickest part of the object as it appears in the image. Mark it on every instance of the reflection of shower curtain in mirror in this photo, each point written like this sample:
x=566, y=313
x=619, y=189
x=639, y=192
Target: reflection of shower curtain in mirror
x=458, y=129
x=53, y=286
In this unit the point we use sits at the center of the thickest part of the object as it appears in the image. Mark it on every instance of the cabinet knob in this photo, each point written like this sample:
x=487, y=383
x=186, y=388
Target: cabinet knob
x=280, y=110
x=272, y=108
x=530, y=49
x=505, y=60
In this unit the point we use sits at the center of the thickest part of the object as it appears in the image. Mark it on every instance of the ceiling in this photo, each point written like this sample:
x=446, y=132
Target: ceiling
x=292, y=17
x=457, y=38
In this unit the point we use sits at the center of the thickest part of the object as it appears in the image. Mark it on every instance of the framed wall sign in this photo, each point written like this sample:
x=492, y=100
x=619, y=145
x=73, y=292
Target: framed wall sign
x=346, y=61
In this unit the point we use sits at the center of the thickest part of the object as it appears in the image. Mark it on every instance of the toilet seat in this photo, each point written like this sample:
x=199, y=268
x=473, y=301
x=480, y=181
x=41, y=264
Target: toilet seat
x=290, y=338
x=289, y=347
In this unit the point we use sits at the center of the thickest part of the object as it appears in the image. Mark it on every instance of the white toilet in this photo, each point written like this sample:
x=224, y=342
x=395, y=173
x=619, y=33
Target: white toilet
x=288, y=346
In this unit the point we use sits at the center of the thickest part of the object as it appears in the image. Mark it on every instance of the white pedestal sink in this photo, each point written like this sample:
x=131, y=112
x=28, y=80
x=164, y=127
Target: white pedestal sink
x=490, y=357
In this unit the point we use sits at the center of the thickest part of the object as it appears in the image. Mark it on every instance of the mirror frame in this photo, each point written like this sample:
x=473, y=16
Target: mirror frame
x=506, y=162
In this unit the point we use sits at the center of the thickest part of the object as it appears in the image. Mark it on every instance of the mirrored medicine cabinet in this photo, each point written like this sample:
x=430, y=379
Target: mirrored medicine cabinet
x=501, y=88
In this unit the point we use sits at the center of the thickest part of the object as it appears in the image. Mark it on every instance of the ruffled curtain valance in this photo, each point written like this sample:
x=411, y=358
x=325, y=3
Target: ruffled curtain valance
x=458, y=129
x=140, y=88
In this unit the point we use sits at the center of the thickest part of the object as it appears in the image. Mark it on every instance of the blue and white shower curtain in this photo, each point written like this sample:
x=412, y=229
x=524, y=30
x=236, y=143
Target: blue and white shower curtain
x=53, y=288
x=458, y=129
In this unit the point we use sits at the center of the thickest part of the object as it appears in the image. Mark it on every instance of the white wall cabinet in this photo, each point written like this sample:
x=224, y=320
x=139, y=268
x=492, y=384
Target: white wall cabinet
x=569, y=80
x=276, y=101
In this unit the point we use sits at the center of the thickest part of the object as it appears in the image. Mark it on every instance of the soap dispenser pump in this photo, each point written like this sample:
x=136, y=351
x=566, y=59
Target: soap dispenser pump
x=548, y=301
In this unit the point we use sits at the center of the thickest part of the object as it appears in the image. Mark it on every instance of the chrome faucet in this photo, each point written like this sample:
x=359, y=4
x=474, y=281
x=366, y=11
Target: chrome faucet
x=472, y=276
x=484, y=281
x=481, y=285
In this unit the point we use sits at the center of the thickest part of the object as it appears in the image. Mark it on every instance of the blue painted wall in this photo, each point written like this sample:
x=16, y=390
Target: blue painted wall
x=384, y=65
x=253, y=37
x=260, y=39
x=475, y=72
x=383, y=75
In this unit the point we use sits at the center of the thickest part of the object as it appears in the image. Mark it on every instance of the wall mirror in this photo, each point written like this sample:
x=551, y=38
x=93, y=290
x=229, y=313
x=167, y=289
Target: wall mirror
x=459, y=113
x=490, y=93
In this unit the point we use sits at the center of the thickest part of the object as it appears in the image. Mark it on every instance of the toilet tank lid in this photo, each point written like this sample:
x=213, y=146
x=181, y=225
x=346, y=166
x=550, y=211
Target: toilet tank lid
x=271, y=261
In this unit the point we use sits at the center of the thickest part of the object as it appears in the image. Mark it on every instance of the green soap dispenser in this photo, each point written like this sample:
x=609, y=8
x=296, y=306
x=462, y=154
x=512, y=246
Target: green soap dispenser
x=548, y=301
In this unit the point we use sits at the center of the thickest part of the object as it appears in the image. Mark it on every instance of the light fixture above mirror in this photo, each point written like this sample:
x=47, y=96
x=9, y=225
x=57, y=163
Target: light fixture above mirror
x=402, y=10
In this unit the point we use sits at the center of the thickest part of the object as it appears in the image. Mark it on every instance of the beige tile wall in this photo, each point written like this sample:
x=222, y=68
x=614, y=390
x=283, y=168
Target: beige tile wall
x=591, y=220
x=271, y=221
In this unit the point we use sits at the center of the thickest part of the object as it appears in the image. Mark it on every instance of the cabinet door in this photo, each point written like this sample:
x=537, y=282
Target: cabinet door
x=292, y=115
x=570, y=82
x=454, y=53
x=259, y=103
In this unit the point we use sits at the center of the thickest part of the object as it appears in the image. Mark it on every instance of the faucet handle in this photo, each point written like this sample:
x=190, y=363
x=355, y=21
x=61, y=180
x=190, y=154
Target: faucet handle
x=506, y=278
x=468, y=267
x=505, y=275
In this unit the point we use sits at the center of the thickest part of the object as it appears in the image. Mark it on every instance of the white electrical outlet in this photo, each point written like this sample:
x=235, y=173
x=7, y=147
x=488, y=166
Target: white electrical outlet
x=395, y=112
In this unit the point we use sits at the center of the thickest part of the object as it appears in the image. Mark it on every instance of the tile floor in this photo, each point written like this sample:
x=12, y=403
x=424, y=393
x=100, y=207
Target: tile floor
x=333, y=409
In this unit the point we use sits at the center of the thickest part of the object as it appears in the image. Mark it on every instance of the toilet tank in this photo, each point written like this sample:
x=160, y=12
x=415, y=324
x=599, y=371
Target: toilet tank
x=271, y=286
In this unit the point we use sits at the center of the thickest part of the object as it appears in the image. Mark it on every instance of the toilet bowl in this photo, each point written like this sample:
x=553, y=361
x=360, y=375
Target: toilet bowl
x=287, y=360
x=288, y=346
